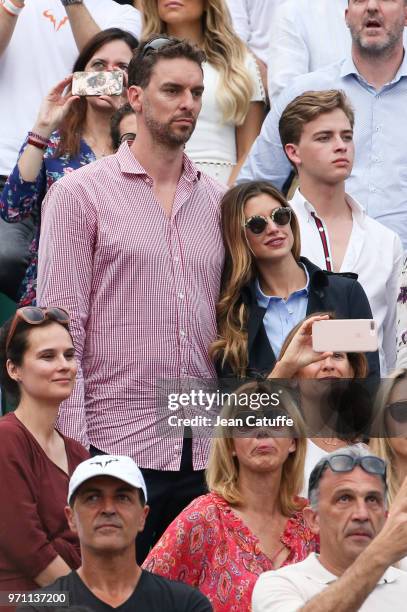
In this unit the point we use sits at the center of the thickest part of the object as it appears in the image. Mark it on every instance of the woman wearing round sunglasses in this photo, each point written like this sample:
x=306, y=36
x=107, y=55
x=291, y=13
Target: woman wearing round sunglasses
x=267, y=288
x=38, y=371
x=389, y=432
x=251, y=520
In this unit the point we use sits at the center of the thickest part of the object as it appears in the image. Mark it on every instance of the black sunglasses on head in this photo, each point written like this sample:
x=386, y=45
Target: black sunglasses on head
x=258, y=223
x=156, y=44
x=346, y=463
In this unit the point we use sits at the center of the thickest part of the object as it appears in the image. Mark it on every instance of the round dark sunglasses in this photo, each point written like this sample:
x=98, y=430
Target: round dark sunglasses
x=257, y=223
x=398, y=411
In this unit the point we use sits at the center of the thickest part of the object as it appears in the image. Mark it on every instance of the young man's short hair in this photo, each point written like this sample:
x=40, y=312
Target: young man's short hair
x=307, y=107
x=143, y=61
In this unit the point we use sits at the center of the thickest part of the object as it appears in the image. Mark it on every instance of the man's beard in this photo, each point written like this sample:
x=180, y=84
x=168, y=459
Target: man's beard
x=164, y=135
x=368, y=47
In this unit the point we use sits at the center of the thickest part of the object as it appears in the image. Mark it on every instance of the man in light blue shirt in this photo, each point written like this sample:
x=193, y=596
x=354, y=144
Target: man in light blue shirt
x=374, y=77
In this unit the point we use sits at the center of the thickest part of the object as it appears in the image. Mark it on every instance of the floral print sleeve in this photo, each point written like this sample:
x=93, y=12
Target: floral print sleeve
x=208, y=546
x=402, y=319
x=22, y=198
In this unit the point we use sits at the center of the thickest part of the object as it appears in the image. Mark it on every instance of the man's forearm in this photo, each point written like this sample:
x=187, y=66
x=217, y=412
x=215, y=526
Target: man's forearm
x=348, y=593
x=82, y=24
x=7, y=24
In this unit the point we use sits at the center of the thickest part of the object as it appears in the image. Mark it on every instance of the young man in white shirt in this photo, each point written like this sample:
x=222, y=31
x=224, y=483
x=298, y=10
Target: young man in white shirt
x=316, y=130
x=358, y=546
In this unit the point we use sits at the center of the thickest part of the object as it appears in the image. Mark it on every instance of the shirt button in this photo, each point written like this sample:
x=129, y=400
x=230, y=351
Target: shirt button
x=176, y=447
x=321, y=229
x=182, y=333
x=176, y=259
x=184, y=370
x=181, y=296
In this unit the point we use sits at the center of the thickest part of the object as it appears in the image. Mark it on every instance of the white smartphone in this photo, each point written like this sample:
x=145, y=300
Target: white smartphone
x=345, y=335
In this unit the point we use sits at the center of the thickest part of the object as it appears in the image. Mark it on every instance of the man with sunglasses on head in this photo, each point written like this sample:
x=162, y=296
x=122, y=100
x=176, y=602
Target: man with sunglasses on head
x=358, y=545
x=132, y=247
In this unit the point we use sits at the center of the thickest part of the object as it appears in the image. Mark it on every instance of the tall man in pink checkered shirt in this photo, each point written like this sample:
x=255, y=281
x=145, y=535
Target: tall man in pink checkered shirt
x=131, y=246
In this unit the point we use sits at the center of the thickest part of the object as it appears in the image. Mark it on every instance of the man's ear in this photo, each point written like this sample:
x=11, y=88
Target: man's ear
x=135, y=97
x=291, y=151
x=312, y=519
x=143, y=517
x=70, y=517
x=12, y=370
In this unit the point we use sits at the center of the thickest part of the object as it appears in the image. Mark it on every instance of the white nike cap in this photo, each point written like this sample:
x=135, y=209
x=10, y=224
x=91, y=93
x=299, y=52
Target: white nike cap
x=117, y=466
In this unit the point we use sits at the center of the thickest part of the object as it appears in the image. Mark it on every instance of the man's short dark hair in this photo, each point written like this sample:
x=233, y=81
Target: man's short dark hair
x=115, y=121
x=142, y=64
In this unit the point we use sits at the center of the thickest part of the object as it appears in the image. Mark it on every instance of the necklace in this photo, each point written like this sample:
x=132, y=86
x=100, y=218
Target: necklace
x=331, y=441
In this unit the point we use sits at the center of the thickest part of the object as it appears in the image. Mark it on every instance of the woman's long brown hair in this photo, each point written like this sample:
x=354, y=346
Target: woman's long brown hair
x=239, y=270
x=72, y=127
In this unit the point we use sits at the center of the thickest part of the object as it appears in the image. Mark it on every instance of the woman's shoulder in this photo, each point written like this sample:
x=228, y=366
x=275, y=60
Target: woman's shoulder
x=75, y=450
x=206, y=507
x=14, y=437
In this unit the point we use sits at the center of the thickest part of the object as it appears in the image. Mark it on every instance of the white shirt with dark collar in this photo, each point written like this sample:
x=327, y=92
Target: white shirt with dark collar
x=289, y=588
x=374, y=253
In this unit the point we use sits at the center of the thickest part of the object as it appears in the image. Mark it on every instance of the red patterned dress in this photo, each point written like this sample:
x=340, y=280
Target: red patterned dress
x=208, y=546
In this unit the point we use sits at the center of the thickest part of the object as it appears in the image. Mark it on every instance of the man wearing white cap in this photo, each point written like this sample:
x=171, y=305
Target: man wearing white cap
x=107, y=508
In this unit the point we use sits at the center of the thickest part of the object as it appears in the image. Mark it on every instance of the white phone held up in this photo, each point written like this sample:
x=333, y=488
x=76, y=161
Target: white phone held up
x=345, y=336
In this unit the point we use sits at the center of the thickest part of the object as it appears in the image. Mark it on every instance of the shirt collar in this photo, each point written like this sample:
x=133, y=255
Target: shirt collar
x=130, y=165
x=314, y=570
x=348, y=68
x=305, y=209
x=263, y=300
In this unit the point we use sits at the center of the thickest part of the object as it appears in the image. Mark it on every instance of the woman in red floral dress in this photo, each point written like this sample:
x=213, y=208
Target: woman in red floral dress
x=251, y=521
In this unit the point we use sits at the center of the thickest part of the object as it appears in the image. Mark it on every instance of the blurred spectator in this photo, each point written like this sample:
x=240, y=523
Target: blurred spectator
x=38, y=369
x=53, y=36
x=70, y=132
x=253, y=21
x=402, y=319
x=232, y=103
x=107, y=508
x=298, y=360
x=358, y=545
x=132, y=245
x=374, y=77
x=123, y=126
x=305, y=35
x=389, y=434
x=251, y=521
x=38, y=46
x=316, y=131
x=267, y=288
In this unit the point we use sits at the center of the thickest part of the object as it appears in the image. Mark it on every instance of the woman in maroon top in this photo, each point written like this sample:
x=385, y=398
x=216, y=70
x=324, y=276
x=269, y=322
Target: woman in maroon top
x=38, y=368
x=252, y=520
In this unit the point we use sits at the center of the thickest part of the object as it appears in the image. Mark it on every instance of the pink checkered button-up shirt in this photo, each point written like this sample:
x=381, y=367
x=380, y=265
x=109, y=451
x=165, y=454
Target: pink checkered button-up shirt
x=141, y=289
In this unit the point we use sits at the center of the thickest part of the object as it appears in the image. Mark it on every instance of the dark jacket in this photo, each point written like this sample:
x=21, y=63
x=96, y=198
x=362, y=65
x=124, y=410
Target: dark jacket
x=328, y=292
